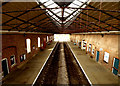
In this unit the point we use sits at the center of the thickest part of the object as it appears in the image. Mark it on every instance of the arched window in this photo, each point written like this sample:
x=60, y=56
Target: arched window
x=38, y=41
x=28, y=45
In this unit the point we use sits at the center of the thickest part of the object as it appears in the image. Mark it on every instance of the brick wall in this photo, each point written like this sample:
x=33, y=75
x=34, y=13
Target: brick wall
x=15, y=44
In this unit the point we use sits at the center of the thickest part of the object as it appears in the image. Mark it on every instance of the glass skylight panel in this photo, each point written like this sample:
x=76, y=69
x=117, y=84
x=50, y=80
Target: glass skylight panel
x=56, y=13
x=50, y=13
x=42, y=1
x=75, y=13
x=69, y=18
x=53, y=5
x=55, y=20
x=60, y=21
x=57, y=10
x=73, y=5
x=59, y=14
x=83, y=0
x=77, y=2
x=48, y=3
x=65, y=14
x=55, y=17
x=64, y=22
x=68, y=10
x=83, y=6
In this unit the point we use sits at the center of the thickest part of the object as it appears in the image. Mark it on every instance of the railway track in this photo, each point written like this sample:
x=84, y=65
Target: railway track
x=61, y=68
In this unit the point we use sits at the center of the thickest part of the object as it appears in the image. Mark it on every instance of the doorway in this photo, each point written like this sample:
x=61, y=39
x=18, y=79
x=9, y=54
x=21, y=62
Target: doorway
x=79, y=44
x=97, y=56
x=115, y=66
x=5, y=68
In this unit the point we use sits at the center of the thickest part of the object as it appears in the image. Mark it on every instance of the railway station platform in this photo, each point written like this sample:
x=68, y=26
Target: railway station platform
x=29, y=71
x=96, y=73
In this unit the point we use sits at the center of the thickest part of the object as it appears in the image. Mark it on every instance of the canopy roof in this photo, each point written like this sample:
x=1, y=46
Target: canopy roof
x=58, y=16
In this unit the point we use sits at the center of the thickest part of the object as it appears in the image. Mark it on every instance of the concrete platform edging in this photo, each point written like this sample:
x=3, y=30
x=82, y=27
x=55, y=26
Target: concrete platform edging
x=80, y=66
x=43, y=66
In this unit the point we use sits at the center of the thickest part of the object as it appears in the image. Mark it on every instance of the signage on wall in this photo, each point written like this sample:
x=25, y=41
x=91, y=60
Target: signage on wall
x=83, y=44
x=106, y=57
x=89, y=48
x=93, y=47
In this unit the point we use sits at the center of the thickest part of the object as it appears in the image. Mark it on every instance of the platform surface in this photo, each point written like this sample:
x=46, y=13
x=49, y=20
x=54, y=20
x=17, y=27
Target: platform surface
x=96, y=73
x=28, y=72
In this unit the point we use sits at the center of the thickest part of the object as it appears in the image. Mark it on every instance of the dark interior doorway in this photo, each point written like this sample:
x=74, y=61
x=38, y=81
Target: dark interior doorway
x=5, y=68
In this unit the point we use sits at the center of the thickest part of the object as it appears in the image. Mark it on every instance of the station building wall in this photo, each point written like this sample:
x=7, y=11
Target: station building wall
x=15, y=45
x=103, y=43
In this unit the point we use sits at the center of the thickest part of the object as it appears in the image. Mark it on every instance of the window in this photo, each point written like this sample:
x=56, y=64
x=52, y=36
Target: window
x=22, y=57
x=28, y=45
x=38, y=41
x=47, y=39
x=12, y=60
x=106, y=57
